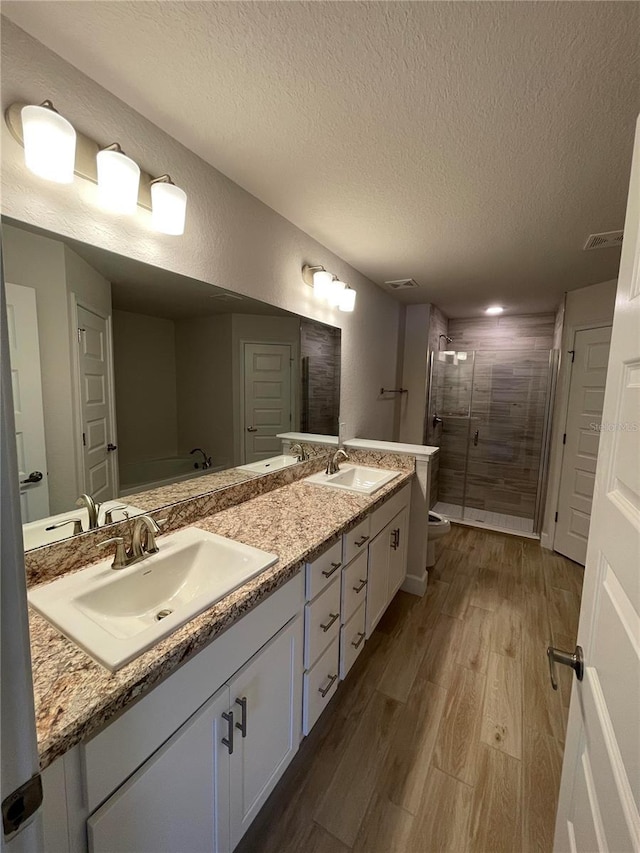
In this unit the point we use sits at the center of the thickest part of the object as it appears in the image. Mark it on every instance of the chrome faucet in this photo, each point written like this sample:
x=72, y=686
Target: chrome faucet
x=143, y=543
x=333, y=463
x=206, y=460
x=92, y=508
x=298, y=450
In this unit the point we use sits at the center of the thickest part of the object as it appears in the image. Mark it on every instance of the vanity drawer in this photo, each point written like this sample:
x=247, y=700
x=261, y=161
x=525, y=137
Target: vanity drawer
x=322, y=569
x=321, y=622
x=354, y=586
x=320, y=683
x=355, y=541
x=352, y=640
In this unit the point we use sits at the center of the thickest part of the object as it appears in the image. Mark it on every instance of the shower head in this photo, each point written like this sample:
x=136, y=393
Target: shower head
x=447, y=339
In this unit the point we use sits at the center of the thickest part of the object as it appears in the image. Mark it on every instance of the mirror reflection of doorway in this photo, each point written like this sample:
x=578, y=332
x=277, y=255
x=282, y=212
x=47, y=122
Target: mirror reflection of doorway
x=267, y=398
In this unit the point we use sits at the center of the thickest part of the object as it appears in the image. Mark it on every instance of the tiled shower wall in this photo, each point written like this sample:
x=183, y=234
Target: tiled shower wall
x=506, y=400
x=320, y=354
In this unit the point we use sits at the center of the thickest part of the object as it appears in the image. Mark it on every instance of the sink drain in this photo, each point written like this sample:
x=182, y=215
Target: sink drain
x=160, y=615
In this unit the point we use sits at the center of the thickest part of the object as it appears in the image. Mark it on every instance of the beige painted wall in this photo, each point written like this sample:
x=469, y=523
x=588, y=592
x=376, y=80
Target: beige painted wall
x=232, y=239
x=145, y=379
x=586, y=307
x=205, y=391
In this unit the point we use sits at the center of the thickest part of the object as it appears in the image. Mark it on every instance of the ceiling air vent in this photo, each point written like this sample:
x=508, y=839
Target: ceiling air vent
x=226, y=297
x=402, y=284
x=606, y=240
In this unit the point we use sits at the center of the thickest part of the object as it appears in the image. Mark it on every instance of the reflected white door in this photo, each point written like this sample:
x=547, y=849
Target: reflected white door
x=24, y=349
x=586, y=398
x=599, y=807
x=98, y=447
x=267, y=399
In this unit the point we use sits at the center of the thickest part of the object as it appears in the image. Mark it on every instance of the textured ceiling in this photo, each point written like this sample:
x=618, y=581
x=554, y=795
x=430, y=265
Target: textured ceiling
x=472, y=146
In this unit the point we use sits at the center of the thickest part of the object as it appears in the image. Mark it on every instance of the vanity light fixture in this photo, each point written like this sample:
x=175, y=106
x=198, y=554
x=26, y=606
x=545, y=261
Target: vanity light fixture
x=118, y=180
x=49, y=143
x=55, y=151
x=347, y=300
x=494, y=309
x=168, y=206
x=328, y=288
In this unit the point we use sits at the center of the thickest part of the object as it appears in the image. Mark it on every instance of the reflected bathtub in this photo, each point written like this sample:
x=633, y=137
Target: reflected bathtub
x=153, y=473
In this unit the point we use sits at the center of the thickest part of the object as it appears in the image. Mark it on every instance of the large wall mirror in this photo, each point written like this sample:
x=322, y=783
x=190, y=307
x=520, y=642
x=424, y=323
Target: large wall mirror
x=129, y=379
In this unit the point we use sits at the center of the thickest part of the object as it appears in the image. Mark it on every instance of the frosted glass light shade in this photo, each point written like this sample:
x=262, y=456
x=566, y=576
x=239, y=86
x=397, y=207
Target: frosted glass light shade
x=49, y=144
x=335, y=293
x=494, y=309
x=322, y=281
x=347, y=299
x=118, y=181
x=168, y=208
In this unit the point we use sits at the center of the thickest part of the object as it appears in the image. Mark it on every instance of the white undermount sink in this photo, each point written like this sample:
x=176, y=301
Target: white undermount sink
x=115, y=615
x=355, y=478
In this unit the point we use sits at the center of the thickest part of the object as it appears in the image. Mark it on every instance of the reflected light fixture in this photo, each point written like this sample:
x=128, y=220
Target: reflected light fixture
x=168, y=206
x=118, y=180
x=347, y=299
x=494, y=309
x=49, y=143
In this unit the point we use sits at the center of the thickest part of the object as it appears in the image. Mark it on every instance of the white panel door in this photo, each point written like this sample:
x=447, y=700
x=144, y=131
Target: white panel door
x=599, y=807
x=24, y=353
x=267, y=399
x=266, y=701
x=586, y=398
x=179, y=799
x=98, y=448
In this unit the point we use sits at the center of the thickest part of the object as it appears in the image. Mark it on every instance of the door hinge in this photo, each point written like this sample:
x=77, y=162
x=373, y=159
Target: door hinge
x=84, y=440
x=80, y=331
x=564, y=438
x=556, y=519
x=572, y=353
x=20, y=805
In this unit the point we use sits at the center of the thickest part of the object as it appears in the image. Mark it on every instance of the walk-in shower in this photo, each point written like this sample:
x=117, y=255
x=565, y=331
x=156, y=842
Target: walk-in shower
x=489, y=413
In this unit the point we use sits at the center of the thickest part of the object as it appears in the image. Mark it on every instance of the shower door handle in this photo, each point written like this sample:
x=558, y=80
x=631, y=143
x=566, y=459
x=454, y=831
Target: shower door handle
x=475, y=438
x=436, y=421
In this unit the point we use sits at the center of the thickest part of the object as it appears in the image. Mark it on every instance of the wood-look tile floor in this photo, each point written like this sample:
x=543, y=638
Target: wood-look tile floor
x=446, y=735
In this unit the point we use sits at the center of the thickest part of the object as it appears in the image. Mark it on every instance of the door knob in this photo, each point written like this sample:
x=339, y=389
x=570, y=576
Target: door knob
x=573, y=659
x=112, y=446
x=252, y=429
x=34, y=477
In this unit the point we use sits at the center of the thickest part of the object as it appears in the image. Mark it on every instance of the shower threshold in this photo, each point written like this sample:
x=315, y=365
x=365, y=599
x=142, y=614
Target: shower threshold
x=486, y=520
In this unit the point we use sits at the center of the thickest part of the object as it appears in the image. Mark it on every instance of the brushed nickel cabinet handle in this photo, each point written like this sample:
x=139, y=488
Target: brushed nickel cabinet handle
x=360, y=542
x=334, y=568
x=324, y=690
x=333, y=618
x=358, y=642
x=242, y=725
x=228, y=741
x=363, y=583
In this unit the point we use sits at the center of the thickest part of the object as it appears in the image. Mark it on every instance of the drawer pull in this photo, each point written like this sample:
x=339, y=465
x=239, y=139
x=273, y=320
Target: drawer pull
x=228, y=741
x=361, y=586
x=324, y=690
x=358, y=642
x=334, y=568
x=242, y=725
x=333, y=618
x=360, y=542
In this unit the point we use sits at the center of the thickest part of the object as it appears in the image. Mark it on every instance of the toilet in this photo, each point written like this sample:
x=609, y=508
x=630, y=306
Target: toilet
x=439, y=526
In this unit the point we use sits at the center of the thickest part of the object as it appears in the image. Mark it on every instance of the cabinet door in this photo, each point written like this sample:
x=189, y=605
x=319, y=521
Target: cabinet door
x=266, y=700
x=378, y=578
x=178, y=799
x=398, y=554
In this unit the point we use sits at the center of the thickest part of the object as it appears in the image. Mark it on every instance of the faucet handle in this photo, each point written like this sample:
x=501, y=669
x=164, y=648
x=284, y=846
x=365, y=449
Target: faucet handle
x=108, y=513
x=120, y=558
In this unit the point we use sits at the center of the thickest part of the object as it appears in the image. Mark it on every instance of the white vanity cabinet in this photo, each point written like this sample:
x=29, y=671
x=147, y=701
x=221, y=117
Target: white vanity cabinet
x=201, y=790
x=387, y=566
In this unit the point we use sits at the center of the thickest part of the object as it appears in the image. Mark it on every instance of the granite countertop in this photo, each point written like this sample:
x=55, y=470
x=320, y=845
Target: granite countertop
x=75, y=696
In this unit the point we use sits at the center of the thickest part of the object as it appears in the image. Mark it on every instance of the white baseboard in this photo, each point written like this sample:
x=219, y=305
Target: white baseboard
x=414, y=585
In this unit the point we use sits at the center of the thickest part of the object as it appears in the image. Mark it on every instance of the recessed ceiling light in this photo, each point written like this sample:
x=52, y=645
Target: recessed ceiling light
x=494, y=309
